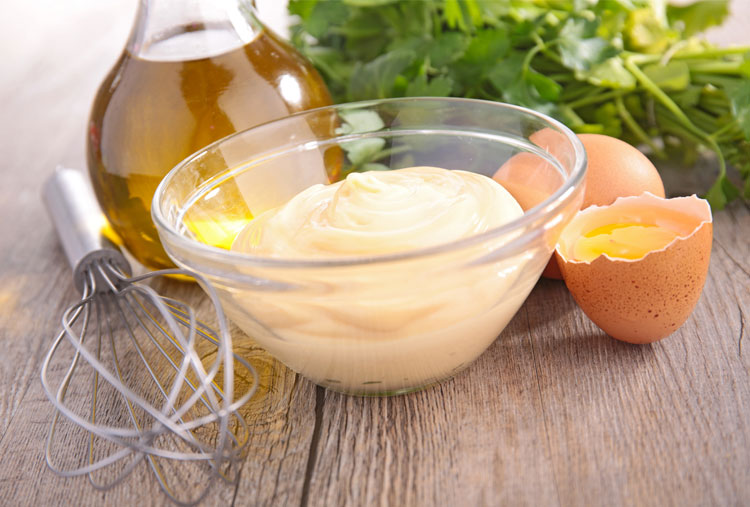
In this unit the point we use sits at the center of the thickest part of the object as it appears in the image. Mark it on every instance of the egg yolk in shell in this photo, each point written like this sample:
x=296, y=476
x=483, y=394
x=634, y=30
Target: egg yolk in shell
x=622, y=241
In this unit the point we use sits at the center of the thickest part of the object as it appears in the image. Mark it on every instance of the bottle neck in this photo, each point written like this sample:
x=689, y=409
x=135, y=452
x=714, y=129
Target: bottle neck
x=179, y=30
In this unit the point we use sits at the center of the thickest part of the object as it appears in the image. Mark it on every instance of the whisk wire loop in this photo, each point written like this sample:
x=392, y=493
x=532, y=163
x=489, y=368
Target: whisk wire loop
x=126, y=298
x=123, y=346
x=136, y=306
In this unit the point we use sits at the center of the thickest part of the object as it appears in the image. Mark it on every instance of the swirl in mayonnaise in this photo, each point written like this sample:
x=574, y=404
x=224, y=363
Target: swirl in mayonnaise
x=391, y=325
x=380, y=212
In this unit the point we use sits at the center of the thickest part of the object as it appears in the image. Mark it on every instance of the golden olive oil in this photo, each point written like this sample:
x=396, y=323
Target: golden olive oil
x=150, y=114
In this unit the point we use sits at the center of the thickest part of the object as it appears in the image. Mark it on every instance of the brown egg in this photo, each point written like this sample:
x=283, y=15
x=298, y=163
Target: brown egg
x=530, y=179
x=555, y=143
x=616, y=169
x=638, y=294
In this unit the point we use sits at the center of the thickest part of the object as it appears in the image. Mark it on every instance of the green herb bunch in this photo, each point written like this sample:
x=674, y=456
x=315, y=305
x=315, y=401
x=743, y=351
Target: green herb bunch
x=632, y=69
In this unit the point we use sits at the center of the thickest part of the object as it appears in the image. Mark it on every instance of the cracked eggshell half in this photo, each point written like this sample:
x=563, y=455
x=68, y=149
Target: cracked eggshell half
x=645, y=299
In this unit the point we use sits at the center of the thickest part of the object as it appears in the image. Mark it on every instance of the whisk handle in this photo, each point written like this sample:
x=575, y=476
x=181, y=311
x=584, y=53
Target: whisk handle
x=78, y=219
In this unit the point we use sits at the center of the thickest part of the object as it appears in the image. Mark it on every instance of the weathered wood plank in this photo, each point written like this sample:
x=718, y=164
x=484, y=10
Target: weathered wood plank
x=282, y=420
x=42, y=127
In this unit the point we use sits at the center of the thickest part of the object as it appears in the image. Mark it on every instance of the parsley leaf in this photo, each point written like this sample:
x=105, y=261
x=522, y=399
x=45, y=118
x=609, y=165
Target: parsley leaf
x=628, y=68
x=377, y=79
x=739, y=96
x=698, y=16
x=580, y=48
x=437, y=87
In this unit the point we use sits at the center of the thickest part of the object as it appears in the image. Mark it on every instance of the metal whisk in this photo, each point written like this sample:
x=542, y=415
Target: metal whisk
x=136, y=375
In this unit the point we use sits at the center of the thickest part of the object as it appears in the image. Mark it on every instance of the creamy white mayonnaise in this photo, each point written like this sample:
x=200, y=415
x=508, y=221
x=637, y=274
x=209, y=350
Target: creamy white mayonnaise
x=380, y=212
x=383, y=326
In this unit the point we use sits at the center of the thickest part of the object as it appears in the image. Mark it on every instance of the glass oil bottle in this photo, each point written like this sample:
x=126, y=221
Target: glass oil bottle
x=193, y=71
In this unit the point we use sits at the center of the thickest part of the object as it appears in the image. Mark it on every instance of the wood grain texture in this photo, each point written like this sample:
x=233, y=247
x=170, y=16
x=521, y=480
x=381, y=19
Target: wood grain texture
x=282, y=421
x=41, y=127
x=554, y=413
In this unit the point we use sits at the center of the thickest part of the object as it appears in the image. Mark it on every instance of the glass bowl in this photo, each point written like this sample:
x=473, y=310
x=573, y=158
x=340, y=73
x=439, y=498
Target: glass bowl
x=379, y=324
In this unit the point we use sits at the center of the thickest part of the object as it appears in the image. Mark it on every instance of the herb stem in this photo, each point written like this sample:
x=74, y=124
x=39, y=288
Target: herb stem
x=636, y=129
x=669, y=124
x=713, y=53
x=708, y=67
x=387, y=152
x=712, y=81
x=576, y=91
x=530, y=56
x=596, y=99
x=662, y=97
x=545, y=48
x=561, y=77
x=729, y=127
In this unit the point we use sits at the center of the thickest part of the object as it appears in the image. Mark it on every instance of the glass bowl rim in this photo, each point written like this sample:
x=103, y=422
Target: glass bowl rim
x=545, y=209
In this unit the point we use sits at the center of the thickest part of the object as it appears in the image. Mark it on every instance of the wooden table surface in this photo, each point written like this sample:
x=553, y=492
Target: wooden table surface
x=554, y=413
